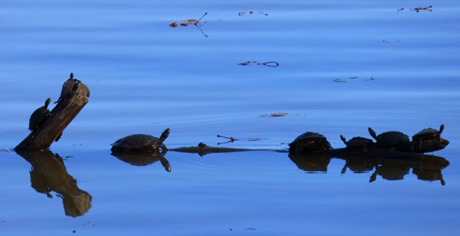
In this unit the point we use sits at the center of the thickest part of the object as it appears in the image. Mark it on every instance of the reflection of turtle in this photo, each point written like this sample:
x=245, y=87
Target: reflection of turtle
x=358, y=143
x=309, y=142
x=429, y=139
x=143, y=159
x=314, y=163
x=141, y=143
x=39, y=116
x=391, y=170
x=393, y=140
x=67, y=87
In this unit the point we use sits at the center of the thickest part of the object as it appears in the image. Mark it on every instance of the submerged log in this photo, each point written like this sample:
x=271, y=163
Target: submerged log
x=73, y=99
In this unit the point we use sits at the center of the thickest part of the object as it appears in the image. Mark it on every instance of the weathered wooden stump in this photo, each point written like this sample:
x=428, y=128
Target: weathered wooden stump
x=74, y=98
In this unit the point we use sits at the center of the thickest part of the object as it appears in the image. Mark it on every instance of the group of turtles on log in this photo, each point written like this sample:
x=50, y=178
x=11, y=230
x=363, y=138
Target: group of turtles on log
x=427, y=140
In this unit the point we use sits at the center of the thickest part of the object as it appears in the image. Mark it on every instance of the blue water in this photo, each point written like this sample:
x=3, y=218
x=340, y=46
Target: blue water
x=343, y=66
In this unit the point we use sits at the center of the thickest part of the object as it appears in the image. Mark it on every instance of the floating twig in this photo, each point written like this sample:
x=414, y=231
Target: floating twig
x=232, y=139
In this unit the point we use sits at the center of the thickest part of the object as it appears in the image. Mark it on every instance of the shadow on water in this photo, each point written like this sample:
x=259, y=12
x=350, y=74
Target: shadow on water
x=426, y=167
x=49, y=173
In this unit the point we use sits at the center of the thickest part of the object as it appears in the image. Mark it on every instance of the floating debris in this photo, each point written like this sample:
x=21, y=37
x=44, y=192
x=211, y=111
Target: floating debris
x=417, y=9
x=267, y=63
x=389, y=41
x=251, y=12
x=198, y=23
x=339, y=80
x=428, y=8
x=278, y=114
x=188, y=22
x=232, y=139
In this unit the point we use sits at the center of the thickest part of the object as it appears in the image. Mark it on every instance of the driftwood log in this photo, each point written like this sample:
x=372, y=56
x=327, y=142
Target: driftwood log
x=62, y=114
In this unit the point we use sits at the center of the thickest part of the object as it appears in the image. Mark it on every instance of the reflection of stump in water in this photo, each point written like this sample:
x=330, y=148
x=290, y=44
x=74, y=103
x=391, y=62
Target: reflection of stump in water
x=49, y=174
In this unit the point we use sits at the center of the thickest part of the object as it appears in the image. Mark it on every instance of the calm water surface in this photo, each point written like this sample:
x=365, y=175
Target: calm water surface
x=343, y=66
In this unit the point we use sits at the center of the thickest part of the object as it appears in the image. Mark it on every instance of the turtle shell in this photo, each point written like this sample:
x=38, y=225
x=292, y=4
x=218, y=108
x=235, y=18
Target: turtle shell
x=39, y=116
x=394, y=140
x=428, y=133
x=358, y=143
x=428, y=140
x=309, y=142
x=140, y=143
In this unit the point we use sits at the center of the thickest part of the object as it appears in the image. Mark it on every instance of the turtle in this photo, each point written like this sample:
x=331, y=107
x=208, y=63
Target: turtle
x=39, y=116
x=358, y=143
x=67, y=87
x=393, y=140
x=309, y=142
x=141, y=143
x=429, y=139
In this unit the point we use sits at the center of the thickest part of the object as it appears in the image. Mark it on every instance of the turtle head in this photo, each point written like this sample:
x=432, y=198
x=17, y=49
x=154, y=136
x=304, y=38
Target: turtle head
x=344, y=140
x=441, y=128
x=164, y=135
x=372, y=133
x=47, y=102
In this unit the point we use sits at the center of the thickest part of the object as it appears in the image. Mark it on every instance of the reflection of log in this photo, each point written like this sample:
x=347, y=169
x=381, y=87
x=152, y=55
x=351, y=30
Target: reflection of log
x=49, y=174
x=61, y=116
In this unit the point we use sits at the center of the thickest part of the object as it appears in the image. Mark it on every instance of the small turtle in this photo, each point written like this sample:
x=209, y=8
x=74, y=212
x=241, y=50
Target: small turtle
x=67, y=87
x=309, y=142
x=39, y=116
x=141, y=143
x=358, y=143
x=429, y=139
x=393, y=140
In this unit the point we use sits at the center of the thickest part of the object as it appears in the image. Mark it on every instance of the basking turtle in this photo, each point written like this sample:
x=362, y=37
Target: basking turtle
x=393, y=140
x=428, y=140
x=141, y=143
x=309, y=142
x=67, y=87
x=358, y=143
x=39, y=116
